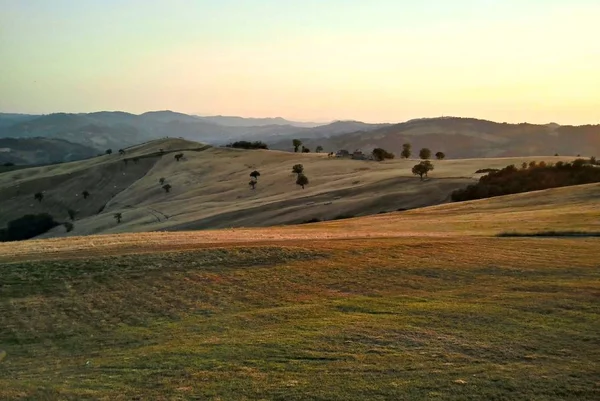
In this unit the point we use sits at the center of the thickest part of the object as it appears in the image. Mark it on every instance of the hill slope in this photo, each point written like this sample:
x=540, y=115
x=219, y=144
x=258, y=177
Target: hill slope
x=209, y=188
x=278, y=313
x=471, y=138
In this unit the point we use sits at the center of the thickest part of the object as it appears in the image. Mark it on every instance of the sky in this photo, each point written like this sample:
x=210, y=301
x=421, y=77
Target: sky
x=311, y=60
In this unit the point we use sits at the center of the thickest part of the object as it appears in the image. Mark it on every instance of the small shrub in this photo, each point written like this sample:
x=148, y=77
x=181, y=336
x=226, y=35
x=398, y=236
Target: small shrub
x=68, y=226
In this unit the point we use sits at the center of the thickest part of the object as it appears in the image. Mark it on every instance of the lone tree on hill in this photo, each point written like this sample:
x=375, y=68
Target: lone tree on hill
x=297, y=143
x=381, y=154
x=406, y=151
x=38, y=196
x=118, y=217
x=121, y=152
x=125, y=161
x=255, y=174
x=178, y=156
x=593, y=160
x=161, y=180
x=440, y=155
x=319, y=149
x=422, y=168
x=298, y=169
x=305, y=150
x=72, y=214
x=108, y=151
x=252, y=183
x=167, y=188
x=302, y=180
x=85, y=194
x=68, y=226
x=425, y=154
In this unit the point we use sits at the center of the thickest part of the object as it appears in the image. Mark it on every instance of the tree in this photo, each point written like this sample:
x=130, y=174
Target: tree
x=72, y=214
x=252, y=183
x=298, y=169
x=161, y=180
x=178, y=156
x=556, y=154
x=136, y=160
x=85, y=194
x=296, y=143
x=532, y=164
x=381, y=154
x=302, y=180
x=319, y=149
x=524, y=165
x=38, y=196
x=305, y=150
x=440, y=155
x=167, y=188
x=406, y=151
x=255, y=174
x=108, y=151
x=422, y=168
x=118, y=217
x=121, y=152
x=68, y=226
x=425, y=154
x=593, y=160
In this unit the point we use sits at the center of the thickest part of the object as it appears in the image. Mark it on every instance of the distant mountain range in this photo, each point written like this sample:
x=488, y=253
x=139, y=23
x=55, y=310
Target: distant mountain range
x=465, y=138
x=457, y=137
x=31, y=151
x=234, y=121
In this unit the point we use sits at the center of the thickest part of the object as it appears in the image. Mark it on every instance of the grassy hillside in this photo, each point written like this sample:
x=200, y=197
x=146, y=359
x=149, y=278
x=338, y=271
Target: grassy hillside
x=559, y=209
x=209, y=188
x=417, y=305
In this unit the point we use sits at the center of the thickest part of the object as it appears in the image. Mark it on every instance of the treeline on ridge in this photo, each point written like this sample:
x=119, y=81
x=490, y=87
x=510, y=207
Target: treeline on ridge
x=247, y=145
x=530, y=177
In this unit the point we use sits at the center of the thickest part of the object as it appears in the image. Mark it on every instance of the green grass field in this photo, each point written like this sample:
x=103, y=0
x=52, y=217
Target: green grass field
x=379, y=319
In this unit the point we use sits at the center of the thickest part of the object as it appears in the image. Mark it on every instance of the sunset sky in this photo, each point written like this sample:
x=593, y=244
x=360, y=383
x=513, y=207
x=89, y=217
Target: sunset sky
x=376, y=60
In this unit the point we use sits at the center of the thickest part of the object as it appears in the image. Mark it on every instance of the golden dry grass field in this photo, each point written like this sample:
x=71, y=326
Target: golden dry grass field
x=426, y=304
x=210, y=188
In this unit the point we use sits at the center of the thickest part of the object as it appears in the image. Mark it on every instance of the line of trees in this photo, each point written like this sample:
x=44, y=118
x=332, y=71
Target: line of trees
x=530, y=177
x=247, y=145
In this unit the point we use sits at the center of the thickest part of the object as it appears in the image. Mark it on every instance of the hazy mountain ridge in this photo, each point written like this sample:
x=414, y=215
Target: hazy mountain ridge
x=107, y=129
x=235, y=121
x=468, y=138
x=32, y=151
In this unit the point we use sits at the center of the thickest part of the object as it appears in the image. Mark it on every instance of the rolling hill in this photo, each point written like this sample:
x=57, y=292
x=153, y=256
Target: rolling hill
x=413, y=305
x=210, y=188
x=36, y=151
x=468, y=138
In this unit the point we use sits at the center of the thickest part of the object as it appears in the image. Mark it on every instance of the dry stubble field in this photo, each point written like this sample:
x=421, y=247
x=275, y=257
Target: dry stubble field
x=426, y=304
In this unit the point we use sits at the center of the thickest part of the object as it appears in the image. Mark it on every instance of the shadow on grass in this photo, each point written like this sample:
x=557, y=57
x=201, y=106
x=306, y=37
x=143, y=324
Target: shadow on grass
x=552, y=234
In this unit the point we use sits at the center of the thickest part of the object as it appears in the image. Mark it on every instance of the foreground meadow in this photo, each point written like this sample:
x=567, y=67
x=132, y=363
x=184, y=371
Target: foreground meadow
x=449, y=318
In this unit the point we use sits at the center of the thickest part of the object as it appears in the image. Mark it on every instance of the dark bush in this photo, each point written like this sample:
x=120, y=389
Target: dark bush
x=486, y=170
x=344, y=216
x=313, y=220
x=248, y=145
x=28, y=226
x=381, y=154
x=511, y=180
